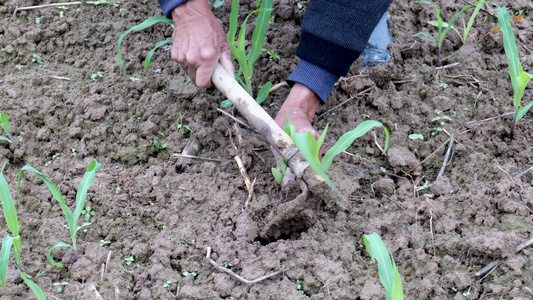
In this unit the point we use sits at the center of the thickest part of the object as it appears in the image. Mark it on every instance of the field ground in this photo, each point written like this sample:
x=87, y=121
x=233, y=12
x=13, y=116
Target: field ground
x=163, y=213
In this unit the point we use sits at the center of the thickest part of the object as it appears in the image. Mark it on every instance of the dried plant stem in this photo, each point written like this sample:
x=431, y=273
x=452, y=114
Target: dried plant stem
x=446, y=160
x=364, y=92
x=429, y=156
x=235, y=275
x=237, y=120
x=488, y=268
x=59, y=4
x=199, y=158
x=278, y=86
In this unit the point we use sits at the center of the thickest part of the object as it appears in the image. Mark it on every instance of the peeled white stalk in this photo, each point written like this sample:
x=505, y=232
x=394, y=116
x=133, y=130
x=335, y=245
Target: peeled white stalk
x=268, y=128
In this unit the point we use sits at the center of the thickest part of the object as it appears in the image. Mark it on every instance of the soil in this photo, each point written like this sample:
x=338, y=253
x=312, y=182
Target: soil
x=155, y=215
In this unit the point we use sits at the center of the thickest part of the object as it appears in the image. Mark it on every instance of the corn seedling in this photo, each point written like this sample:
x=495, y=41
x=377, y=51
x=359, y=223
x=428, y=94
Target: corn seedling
x=310, y=147
x=4, y=123
x=466, y=27
x=519, y=78
x=245, y=60
x=71, y=217
x=158, y=146
x=12, y=241
x=148, y=23
x=442, y=27
x=388, y=272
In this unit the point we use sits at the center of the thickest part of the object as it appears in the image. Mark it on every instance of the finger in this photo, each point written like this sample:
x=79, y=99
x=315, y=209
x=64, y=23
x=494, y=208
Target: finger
x=204, y=73
x=225, y=59
x=191, y=71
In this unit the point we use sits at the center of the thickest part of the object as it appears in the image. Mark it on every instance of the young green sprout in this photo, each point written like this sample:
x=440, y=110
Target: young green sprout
x=71, y=217
x=310, y=147
x=443, y=28
x=519, y=78
x=388, y=272
x=4, y=123
x=12, y=241
x=245, y=60
x=147, y=23
x=466, y=27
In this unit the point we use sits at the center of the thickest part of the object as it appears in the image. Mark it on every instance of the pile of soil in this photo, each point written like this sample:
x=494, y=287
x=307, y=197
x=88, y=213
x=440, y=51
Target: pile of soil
x=155, y=215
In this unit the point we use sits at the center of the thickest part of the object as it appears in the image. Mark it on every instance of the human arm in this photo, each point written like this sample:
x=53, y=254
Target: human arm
x=334, y=34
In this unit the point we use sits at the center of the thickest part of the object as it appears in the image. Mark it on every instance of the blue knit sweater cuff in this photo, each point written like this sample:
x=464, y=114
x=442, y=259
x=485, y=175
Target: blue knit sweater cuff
x=318, y=79
x=168, y=5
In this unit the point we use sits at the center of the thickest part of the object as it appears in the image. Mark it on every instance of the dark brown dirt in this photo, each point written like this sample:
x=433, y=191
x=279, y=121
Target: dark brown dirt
x=165, y=215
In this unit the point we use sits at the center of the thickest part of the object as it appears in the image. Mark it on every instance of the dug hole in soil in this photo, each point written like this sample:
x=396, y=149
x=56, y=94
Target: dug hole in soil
x=155, y=215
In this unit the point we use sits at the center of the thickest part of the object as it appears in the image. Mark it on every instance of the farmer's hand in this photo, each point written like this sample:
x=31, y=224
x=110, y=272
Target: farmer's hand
x=301, y=105
x=199, y=42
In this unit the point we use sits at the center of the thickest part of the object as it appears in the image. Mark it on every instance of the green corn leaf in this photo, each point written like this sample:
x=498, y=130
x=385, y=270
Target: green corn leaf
x=53, y=189
x=7, y=243
x=466, y=29
x=258, y=37
x=452, y=20
x=3, y=138
x=397, y=289
x=307, y=145
x=509, y=44
x=218, y=3
x=521, y=82
x=240, y=56
x=347, y=139
x=151, y=53
x=435, y=23
x=378, y=251
x=149, y=22
x=49, y=254
x=33, y=286
x=4, y=122
x=522, y=111
x=233, y=22
x=10, y=212
x=247, y=69
x=277, y=175
x=426, y=34
x=263, y=92
x=81, y=196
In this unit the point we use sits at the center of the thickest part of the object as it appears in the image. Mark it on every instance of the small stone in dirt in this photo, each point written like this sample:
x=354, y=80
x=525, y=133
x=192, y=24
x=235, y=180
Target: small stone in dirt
x=385, y=186
x=441, y=186
x=443, y=103
x=140, y=252
x=180, y=88
x=400, y=157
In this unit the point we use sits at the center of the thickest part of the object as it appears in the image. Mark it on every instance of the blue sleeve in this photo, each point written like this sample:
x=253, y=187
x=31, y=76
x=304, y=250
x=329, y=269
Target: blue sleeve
x=168, y=5
x=316, y=78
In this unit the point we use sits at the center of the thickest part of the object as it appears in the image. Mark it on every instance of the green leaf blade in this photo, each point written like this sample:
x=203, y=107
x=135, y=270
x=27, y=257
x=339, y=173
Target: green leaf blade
x=147, y=23
x=263, y=92
x=10, y=212
x=5, y=252
x=33, y=286
x=522, y=111
x=151, y=53
x=509, y=45
x=347, y=139
x=378, y=251
x=49, y=254
x=258, y=37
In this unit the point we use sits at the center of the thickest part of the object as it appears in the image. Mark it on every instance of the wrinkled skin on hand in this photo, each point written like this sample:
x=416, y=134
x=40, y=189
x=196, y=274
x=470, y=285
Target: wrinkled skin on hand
x=199, y=42
x=301, y=105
